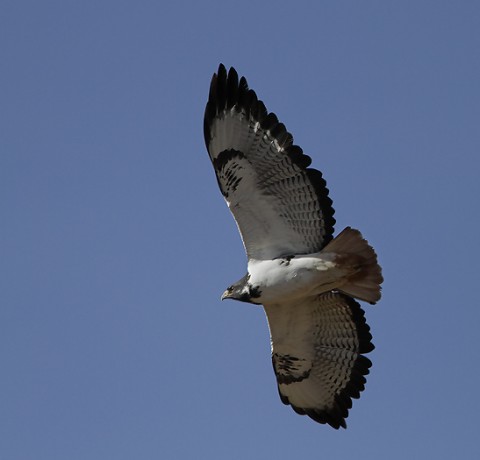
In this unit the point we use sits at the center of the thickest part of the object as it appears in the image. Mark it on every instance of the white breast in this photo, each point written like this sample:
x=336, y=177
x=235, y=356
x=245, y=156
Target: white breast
x=282, y=279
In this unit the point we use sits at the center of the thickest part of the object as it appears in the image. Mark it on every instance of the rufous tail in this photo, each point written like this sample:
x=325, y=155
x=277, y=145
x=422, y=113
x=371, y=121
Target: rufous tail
x=364, y=283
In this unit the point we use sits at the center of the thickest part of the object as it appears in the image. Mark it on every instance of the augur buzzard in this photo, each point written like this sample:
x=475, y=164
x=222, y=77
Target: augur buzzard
x=306, y=280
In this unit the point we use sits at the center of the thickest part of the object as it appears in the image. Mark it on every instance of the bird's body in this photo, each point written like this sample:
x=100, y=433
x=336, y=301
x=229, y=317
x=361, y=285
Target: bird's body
x=304, y=277
x=290, y=278
x=293, y=277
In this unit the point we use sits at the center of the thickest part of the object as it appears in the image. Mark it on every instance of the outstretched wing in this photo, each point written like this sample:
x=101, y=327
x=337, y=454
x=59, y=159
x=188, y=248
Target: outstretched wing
x=317, y=348
x=280, y=205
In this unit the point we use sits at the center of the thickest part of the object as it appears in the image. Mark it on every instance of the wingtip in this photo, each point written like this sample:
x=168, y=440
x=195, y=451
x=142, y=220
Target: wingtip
x=334, y=417
x=221, y=69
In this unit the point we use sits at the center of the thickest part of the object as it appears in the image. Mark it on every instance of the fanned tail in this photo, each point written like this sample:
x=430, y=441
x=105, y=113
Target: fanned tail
x=365, y=283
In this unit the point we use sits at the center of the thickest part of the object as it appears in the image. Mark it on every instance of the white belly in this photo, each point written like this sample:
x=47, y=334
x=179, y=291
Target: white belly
x=301, y=276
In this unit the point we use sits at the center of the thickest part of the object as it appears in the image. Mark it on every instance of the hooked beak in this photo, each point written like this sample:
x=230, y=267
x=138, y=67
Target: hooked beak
x=225, y=295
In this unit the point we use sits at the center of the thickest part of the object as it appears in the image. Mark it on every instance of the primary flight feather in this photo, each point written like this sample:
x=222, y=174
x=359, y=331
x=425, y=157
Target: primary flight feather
x=306, y=280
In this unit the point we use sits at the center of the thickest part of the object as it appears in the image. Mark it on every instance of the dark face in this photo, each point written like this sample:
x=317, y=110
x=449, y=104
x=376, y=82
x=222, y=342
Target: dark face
x=242, y=291
x=236, y=292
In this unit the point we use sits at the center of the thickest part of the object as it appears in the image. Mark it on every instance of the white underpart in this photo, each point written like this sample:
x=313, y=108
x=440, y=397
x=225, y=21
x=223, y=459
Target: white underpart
x=305, y=275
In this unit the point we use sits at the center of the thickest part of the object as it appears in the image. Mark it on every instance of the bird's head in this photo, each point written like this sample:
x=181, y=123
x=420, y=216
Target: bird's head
x=237, y=292
x=241, y=291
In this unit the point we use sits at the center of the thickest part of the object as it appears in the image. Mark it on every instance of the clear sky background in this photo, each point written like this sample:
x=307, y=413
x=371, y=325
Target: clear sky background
x=116, y=243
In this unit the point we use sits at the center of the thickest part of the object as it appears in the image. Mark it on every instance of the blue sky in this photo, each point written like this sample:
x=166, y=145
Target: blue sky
x=116, y=243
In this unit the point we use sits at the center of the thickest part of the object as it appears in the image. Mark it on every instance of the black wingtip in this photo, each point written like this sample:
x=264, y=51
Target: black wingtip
x=335, y=417
x=225, y=92
x=232, y=88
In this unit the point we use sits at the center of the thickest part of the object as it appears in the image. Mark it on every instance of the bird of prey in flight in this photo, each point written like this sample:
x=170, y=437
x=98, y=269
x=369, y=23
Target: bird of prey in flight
x=307, y=280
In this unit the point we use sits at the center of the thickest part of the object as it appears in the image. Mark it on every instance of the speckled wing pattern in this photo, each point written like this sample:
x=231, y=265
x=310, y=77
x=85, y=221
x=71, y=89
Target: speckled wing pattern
x=281, y=206
x=317, y=347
